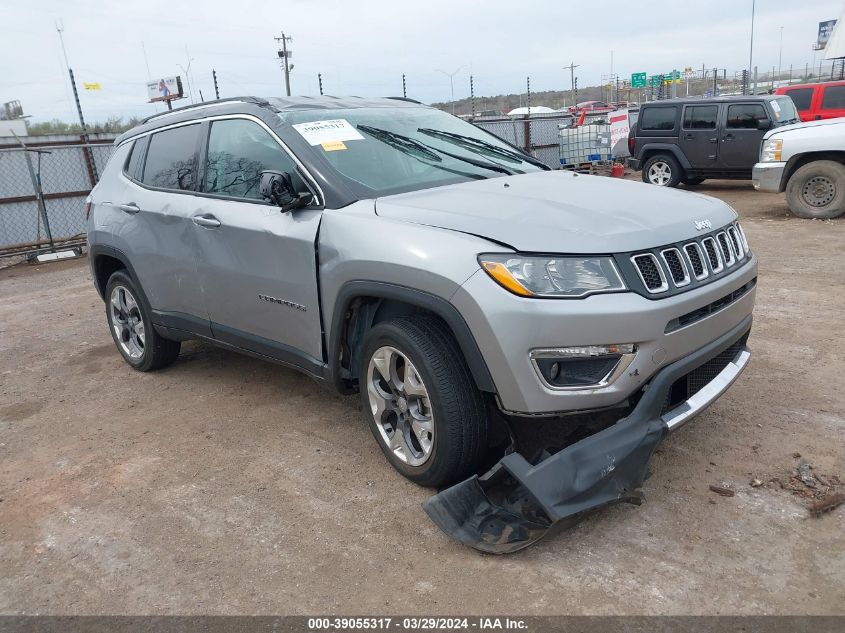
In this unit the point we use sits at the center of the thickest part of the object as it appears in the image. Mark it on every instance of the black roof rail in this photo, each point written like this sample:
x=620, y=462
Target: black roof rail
x=256, y=100
x=408, y=99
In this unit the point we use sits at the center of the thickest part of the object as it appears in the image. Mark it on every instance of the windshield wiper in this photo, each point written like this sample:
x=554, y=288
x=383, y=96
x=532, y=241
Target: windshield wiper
x=477, y=144
x=415, y=148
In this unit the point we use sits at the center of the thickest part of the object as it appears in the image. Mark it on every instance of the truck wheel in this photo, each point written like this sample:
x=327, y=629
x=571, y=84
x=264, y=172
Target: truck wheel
x=131, y=327
x=662, y=170
x=691, y=182
x=817, y=190
x=421, y=402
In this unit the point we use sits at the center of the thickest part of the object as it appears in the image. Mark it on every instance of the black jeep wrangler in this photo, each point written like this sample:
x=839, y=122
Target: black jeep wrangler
x=689, y=140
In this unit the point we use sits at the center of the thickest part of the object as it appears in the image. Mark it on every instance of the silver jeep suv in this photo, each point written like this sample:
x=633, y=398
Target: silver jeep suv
x=484, y=306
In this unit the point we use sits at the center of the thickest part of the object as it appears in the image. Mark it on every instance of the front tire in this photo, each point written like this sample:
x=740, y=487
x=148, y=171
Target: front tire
x=662, y=170
x=422, y=405
x=817, y=190
x=130, y=324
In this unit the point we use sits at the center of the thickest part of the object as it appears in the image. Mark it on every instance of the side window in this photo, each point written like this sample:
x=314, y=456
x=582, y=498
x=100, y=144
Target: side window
x=802, y=97
x=744, y=116
x=700, y=117
x=136, y=157
x=834, y=98
x=171, y=159
x=238, y=151
x=658, y=119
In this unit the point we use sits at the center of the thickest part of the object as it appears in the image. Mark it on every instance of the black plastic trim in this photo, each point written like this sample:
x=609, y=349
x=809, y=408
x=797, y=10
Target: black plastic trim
x=439, y=306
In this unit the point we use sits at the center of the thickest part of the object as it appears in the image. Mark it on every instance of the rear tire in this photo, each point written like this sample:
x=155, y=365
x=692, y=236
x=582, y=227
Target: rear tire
x=131, y=326
x=662, y=170
x=817, y=190
x=421, y=402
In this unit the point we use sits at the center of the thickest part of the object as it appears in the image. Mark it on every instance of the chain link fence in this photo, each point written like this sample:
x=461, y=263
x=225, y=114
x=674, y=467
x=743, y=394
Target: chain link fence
x=42, y=193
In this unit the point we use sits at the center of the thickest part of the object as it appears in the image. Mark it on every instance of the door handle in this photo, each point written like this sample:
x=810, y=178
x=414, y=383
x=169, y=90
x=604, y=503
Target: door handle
x=689, y=137
x=129, y=207
x=713, y=139
x=728, y=137
x=206, y=220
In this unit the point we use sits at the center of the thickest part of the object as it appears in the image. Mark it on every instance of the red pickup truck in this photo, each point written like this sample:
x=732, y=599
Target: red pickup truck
x=817, y=101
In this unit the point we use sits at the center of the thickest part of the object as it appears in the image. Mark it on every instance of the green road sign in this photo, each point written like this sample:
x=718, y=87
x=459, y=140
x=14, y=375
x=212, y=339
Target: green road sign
x=638, y=80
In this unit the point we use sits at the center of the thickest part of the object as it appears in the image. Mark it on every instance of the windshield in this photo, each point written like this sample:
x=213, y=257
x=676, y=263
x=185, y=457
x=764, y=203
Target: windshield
x=784, y=111
x=380, y=151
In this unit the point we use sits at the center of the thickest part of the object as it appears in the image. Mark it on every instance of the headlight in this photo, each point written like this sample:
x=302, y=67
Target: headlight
x=772, y=150
x=555, y=277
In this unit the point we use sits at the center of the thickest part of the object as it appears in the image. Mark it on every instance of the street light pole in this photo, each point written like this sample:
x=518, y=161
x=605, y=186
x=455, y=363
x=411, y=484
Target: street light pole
x=751, y=46
x=451, y=77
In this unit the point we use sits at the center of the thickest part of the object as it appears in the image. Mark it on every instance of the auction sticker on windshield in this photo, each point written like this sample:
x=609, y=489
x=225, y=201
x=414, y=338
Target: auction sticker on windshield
x=328, y=133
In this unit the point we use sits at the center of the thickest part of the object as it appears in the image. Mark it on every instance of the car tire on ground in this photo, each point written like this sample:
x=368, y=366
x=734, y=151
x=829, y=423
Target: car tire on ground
x=817, y=190
x=691, y=182
x=130, y=324
x=662, y=170
x=421, y=402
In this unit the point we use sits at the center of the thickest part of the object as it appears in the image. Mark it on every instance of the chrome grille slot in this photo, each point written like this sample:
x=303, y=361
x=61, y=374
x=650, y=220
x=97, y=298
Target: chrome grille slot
x=677, y=267
x=696, y=260
x=713, y=255
x=727, y=252
x=736, y=242
x=650, y=272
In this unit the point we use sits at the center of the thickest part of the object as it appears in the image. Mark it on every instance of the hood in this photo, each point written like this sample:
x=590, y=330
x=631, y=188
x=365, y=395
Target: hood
x=560, y=212
x=803, y=125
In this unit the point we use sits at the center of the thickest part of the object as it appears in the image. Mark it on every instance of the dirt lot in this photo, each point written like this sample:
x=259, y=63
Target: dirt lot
x=227, y=485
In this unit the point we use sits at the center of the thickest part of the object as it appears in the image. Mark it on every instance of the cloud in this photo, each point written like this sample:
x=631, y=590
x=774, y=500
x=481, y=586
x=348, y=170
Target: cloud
x=364, y=47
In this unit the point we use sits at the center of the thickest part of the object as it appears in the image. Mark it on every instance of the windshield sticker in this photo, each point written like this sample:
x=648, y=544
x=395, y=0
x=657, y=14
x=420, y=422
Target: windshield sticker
x=328, y=132
x=333, y=146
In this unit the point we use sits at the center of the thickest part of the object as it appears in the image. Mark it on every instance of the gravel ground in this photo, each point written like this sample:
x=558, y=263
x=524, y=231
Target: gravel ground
x=226, y=485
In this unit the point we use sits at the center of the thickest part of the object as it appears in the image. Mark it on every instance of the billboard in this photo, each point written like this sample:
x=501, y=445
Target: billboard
x=165, y=89
x=825, y=29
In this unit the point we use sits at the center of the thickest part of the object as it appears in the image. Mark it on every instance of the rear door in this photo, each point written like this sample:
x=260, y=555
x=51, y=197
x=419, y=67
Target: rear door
x=740, y=137
x=831, y=102
x=157, y=233
x=699, y=139
x=257, y=264
x=803, y=99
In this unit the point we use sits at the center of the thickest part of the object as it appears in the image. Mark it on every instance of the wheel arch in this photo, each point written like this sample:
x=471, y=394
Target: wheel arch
x=796, y=162
x=105, y=261
x=362, y=304
x=661, y=148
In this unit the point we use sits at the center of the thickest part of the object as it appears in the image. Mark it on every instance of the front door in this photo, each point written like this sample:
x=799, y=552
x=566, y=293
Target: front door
x=699, y=140
x=740, y=140
x=257, y=264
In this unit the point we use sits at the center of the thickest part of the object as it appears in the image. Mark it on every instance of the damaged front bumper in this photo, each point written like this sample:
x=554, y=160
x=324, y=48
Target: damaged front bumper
x=516, y=502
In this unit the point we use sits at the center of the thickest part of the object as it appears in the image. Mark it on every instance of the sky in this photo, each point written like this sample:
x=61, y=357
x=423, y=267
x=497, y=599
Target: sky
x=363, y=47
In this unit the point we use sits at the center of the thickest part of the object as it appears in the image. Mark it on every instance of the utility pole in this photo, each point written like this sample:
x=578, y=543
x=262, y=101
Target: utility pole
x=780, y=52
x=284, y=55
x=216, y=90
x=404, y=90
x=471, y=97
x=320, y=82
x=572, y=66
x=528, y=93
x=91, y=164
x=751, y=46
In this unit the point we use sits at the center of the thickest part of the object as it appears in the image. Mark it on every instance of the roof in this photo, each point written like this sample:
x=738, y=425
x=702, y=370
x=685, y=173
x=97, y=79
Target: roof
x=532, y=110
x=704, y=100
x=274, y=104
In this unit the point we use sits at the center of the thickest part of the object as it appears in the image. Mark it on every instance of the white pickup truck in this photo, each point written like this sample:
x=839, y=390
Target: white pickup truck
x=807, y=161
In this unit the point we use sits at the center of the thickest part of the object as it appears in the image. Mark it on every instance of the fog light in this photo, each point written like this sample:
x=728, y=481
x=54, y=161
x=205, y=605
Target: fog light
x=581, y=367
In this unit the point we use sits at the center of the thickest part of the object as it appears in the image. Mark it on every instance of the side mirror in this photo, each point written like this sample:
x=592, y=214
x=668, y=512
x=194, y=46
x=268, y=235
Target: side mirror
x=276, y=187
x=764, y=124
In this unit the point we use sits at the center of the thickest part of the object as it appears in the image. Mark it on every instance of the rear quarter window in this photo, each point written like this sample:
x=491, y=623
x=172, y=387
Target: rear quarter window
x=658, y=119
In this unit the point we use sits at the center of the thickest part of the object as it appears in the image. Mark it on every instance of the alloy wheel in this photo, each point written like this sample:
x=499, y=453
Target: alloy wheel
x=400, y=405
x=127, y=322
x=659, y=173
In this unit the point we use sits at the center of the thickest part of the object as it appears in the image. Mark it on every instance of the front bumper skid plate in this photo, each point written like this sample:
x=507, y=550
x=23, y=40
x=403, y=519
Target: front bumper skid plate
x=516, y=503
